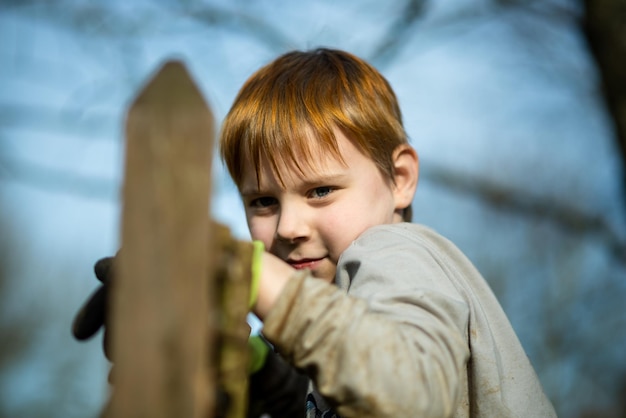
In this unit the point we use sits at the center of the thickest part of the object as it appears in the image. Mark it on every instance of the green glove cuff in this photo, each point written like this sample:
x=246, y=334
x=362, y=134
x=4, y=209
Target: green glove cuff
x=258, y=353
x=257, y=255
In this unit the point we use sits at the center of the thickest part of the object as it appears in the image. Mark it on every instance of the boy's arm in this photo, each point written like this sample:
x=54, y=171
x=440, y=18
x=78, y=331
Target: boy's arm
x=275, y=274
x=398, y=349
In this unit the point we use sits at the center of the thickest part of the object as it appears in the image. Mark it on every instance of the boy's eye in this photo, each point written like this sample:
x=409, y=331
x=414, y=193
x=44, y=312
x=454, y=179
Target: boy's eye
x=320, y=192
x=263, y=202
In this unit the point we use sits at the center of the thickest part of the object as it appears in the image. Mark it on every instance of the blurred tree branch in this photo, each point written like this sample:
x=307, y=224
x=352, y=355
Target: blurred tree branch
x=16, y=326
x=397, y=34
x=238, y=21
x=55, y=180
x=521, y=202
x=604, y=25
x=47, y=119
x=88, y=18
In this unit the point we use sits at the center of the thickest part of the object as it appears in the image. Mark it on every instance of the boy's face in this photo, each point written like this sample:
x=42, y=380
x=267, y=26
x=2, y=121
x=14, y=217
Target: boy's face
x=313, y=218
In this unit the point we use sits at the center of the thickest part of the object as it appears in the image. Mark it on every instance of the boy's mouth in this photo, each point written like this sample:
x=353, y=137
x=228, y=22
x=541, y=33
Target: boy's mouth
x=304, y=263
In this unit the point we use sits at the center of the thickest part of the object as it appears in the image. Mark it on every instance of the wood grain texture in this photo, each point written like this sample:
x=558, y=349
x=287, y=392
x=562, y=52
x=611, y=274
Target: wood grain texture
x=162, y=338
x=234, y=271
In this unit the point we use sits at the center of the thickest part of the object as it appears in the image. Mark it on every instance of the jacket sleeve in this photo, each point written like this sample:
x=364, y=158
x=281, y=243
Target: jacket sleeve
x=394, y=345
x=277, y=389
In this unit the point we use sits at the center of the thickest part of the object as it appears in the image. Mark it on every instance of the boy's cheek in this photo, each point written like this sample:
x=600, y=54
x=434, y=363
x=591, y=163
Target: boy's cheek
x=262, y=230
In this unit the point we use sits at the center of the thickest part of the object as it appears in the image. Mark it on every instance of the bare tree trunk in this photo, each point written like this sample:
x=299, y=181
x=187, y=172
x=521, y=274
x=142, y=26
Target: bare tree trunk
x=605, y=28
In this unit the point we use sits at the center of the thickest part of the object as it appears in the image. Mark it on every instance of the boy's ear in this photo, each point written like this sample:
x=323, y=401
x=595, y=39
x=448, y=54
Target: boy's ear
x=406, y=173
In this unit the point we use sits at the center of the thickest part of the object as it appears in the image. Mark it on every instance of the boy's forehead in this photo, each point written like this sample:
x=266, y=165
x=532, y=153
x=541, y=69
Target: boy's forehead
x=311, y=161
x=290, y=170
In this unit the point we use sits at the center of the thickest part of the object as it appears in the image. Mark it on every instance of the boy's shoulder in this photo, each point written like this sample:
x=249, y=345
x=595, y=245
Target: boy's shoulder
x=402, y=231
x=402, y=257
x=415, y=240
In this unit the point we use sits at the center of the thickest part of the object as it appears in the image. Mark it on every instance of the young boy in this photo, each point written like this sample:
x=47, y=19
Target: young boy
x=385, y=317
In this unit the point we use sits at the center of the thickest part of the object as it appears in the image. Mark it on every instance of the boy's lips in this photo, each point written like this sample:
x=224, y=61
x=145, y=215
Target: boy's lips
x=304, y=263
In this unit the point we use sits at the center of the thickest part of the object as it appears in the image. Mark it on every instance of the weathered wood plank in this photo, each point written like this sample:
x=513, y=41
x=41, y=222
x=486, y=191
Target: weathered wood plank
x=234, y=271
x=162, y=338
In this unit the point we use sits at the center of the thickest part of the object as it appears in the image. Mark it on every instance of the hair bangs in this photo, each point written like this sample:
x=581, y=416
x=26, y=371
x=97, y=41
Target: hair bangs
x=283, y=122
x=290, y=146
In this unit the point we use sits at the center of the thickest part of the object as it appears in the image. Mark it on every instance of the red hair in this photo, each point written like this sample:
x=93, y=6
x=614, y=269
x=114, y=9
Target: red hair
x=289, y=108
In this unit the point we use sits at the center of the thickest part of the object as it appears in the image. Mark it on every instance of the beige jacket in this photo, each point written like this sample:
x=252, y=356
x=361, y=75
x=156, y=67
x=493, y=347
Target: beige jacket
x=412, y=331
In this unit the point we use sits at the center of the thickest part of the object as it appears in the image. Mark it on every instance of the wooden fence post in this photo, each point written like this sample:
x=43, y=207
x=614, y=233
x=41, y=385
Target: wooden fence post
x=163, y=337
x=233, y=282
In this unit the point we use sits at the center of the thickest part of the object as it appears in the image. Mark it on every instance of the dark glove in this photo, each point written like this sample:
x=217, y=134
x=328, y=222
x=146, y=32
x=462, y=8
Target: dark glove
x=93, y=314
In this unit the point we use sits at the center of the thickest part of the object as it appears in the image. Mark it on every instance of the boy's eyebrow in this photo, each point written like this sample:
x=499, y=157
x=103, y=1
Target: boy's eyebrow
x=307, y=183
x=328, y=179
x=252, y=191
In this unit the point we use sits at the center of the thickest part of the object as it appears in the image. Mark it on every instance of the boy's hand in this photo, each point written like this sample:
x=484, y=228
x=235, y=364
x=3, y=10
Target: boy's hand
x=272, y=278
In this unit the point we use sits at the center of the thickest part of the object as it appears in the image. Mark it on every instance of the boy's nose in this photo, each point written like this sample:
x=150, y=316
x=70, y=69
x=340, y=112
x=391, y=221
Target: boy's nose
x=292, y=225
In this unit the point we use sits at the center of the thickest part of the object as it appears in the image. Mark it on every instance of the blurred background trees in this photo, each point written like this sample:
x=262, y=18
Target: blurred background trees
x=603, y=25
x=516, y=108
